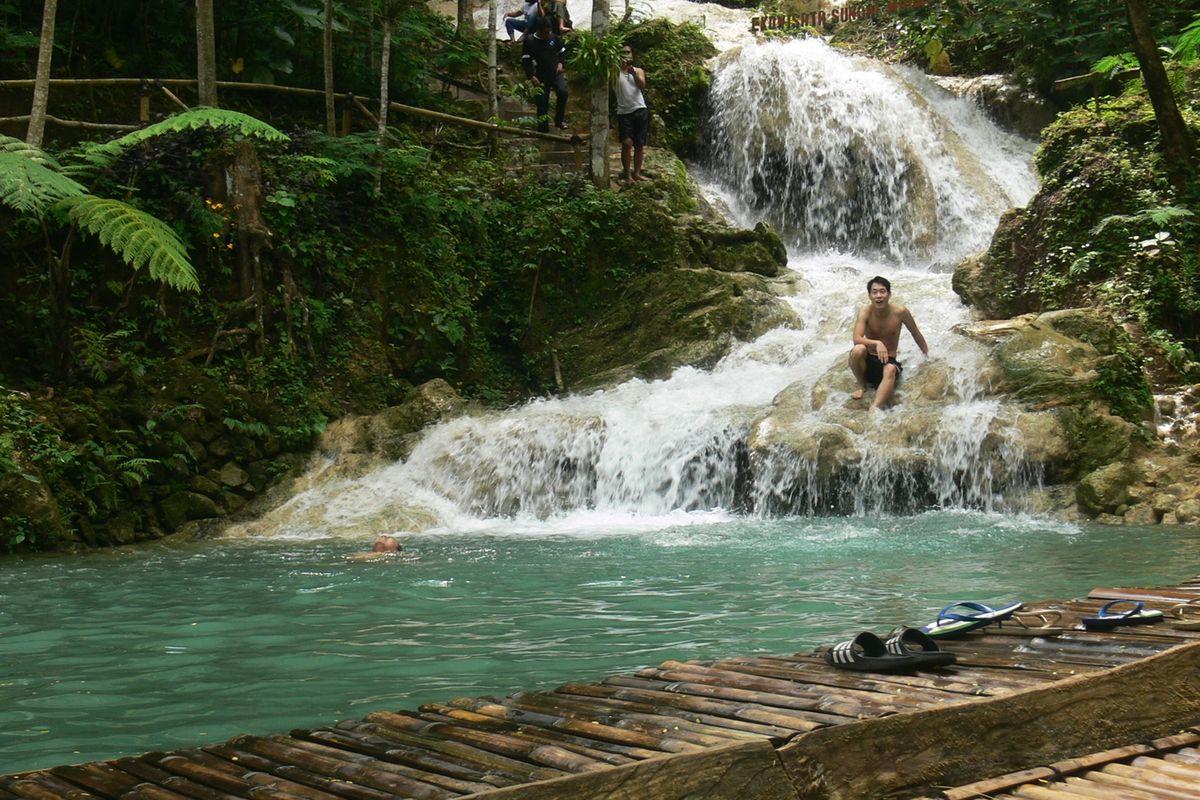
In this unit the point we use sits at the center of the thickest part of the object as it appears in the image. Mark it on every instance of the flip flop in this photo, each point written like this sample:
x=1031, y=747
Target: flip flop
x=1138, y=615
x=1186, y=615
x=951, y=624
x=911, y=642
x=1022, y=624
x=867, y=653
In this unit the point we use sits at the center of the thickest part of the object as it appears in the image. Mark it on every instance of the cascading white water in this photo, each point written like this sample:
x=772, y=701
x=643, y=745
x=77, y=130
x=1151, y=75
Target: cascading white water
x=854, y=162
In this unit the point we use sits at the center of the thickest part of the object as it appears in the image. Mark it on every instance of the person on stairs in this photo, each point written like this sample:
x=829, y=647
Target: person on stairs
x=543, y=57
x=523, y=19
x=633, y=119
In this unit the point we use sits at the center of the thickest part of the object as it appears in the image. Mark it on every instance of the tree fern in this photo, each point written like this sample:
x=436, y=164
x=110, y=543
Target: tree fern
x=29, y=182
x=138, y=238
x=196, y=119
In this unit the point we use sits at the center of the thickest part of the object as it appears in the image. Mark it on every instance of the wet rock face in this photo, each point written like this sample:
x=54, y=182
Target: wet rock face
x=1011, y=105
x=1035, y=416
x=683, y=317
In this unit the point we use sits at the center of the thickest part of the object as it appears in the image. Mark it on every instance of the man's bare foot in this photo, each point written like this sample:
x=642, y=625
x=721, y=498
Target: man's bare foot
x=873, y=410
x=857, y=393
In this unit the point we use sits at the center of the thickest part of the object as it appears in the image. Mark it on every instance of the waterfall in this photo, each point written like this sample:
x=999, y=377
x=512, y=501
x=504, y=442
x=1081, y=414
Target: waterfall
x=864, y=169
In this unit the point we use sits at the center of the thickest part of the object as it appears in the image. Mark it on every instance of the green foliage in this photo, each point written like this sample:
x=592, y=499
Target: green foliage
x=1043, y=40
x=217, y=119
x=677, y=78
x=138, y=238
x=30, y=180
x=596, y=59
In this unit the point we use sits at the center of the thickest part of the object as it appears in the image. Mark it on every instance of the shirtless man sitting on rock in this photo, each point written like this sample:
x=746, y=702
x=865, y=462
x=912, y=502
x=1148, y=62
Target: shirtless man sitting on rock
x=876, y=339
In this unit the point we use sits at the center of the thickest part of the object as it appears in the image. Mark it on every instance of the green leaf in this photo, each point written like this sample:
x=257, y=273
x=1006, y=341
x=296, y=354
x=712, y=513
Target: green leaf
x=29, y=182
x=197, y=118
x=138, y=238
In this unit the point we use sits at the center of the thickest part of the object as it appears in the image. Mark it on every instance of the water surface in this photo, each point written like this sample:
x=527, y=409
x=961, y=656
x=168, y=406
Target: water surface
x=158, y=647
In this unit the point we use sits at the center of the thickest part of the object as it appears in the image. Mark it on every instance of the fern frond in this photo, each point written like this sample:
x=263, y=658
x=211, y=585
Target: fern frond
x=1160, y=215
x=10, y=145
x=29, y=186
x=197, y=118
x=138, y=238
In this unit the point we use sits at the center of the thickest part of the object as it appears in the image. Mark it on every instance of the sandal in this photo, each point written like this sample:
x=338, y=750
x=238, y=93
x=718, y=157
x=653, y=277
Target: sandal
x=1186, y=616
x=867, y=653
x=1138, y=615
x=1026, y=624
x=952, y=624
x=911, y=642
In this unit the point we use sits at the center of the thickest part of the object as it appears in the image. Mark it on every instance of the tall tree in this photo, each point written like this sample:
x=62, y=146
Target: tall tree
x=1177, y=143
x=330, y=122
x=206, y=53
x=464, y=16
x=41, y=83
x=493, y=98
x=599, y=126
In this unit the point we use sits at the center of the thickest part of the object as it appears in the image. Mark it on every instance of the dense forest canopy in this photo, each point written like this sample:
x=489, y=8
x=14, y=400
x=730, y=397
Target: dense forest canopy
x=270, y=277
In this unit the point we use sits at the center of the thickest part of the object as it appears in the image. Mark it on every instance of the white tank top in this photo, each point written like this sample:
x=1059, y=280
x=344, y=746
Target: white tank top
x=629, y=96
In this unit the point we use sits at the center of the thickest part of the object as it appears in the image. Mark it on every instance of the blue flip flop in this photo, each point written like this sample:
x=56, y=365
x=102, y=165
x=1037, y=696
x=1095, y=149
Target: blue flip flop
x=1137, y=615
x=867, y=653
x=951, y=624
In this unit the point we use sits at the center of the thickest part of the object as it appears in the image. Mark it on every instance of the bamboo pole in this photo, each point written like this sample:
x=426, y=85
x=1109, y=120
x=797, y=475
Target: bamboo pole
x=72, y=123
x=173, y=98
x=296, y=90
x=366, y=747
x=252, y=775
x=336, y=786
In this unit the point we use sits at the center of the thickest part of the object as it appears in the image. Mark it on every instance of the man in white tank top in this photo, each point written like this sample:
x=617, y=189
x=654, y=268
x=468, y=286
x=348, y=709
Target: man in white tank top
x=633, y=120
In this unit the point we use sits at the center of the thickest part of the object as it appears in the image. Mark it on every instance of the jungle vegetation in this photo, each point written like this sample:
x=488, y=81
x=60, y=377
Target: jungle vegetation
x=215, y=286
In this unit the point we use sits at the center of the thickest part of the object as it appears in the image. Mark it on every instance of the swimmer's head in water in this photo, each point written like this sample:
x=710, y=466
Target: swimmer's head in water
x=385, y=544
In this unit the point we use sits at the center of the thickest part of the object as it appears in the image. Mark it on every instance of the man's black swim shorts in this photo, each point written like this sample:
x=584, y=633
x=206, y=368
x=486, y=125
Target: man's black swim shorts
x=875, y=370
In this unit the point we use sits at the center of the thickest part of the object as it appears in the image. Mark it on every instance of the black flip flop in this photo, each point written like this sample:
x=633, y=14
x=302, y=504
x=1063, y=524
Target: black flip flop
x=867, y=653
x=1137, y=615
x=912, y=642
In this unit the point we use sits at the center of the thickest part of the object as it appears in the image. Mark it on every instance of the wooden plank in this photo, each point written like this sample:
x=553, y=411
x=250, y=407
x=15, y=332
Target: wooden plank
x=330, y=785
x=610, y=752
x=389, y=725
x=612, y=755
x=778, y=719
x=104, y=780
x=965, y=742
x=328, y=762
x=735, y=772
x=1167, y=596
x=188, y=788
x=255, y=777
x=993, y=786
x=377, y=754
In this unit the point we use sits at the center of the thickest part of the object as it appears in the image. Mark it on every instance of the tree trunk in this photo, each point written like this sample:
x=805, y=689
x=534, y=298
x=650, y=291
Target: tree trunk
x=1177, y=144
x=330, y=121
x=41, y=84
x=206, y=53
x=464, y=17
x=493, y=98
x=599, y=128
x=385, y=66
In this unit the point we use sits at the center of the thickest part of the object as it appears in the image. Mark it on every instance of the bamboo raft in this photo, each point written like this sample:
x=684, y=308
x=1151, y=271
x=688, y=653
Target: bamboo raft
x=1168, y=767
x=745, y=727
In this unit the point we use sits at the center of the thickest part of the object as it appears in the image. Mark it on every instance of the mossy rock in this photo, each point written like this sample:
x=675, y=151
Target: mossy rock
x=726, y=249
x=1106, y=489
x=666, y=320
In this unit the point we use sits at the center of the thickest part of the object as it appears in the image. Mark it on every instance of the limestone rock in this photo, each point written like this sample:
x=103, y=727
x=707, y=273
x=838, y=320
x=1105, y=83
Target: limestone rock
x=685, y=317
x=1106, y=489
x=233, y=476
x=727, y=249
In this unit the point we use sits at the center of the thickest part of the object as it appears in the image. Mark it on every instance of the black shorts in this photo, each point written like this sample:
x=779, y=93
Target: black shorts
x=875, y=370
x=634, y=125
